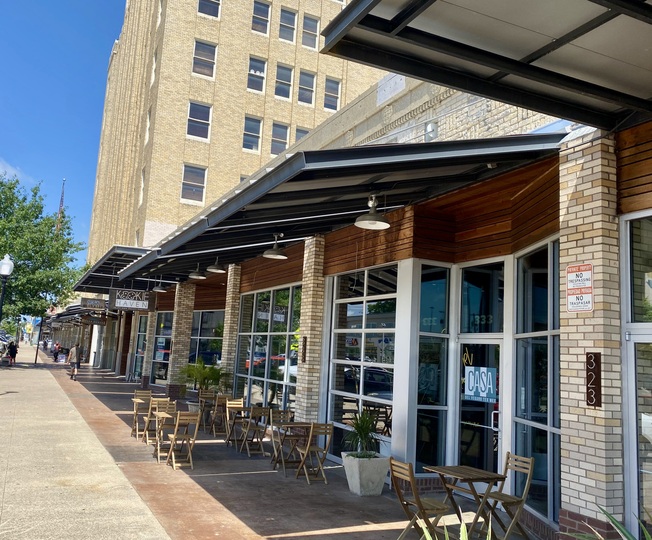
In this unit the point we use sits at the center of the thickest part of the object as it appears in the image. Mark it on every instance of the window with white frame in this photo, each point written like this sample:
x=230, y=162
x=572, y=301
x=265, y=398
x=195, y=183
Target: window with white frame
x=251, y=136
x=260, y=18
x=279, y=138
x=283, y=88
x=256, y=75
x=288, y=25
x=209, y=7
x=306, y=87
x=162, y=347
x=199, y=120
x=141, y=342
x=203, y=62
x=332, y=94
x=206, y=337
x=310, y=35
x=193, y=184
x=362, y=349
x=300, y=133
x=268, y=347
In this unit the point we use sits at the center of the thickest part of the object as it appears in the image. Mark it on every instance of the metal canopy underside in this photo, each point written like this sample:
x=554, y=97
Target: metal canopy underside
x=589, y=61
x=320, y=191
x=104, y=273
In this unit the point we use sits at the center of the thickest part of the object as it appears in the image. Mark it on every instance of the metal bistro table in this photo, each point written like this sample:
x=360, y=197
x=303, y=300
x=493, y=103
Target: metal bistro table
x=454, y=475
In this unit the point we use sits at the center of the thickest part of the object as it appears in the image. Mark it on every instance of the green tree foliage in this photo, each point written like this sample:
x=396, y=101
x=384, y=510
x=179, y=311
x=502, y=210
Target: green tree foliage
x=42, y=252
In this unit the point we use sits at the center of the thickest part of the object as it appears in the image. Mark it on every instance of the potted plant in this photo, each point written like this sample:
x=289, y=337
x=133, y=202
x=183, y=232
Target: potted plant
x=366, y=470
x=205, y=377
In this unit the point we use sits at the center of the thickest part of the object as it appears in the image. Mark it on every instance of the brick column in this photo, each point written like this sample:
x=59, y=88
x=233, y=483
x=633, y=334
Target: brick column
x=149, y=349
x=231, y=321
x=311, y=330
x=591, y=448
x=184, y=303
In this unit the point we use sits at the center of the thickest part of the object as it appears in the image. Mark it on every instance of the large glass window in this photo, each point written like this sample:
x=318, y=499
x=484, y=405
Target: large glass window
x=641, y=269
x=537, y=416
x=141, y=343
x=206, y=337
x=483, y=290
x=362, y=349
x=162, y=347
x=268, y=347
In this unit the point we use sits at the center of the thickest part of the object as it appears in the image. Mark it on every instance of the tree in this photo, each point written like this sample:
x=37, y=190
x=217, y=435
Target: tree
x=42, y=248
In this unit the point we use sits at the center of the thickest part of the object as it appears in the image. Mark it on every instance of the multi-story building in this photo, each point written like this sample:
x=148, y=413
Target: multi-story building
x=200, y=94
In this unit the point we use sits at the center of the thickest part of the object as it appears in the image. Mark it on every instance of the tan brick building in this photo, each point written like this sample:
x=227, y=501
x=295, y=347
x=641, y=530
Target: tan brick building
x=200, y=94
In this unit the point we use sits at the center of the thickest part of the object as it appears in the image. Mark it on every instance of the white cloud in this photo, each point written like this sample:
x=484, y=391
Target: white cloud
x=12, y=171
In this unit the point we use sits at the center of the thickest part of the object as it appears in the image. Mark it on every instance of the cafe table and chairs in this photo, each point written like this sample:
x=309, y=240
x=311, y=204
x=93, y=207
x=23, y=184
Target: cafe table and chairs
x=235, y=416
x=149, y=421
x=182, y=439
x=313, y=451
x=217, y=417
x=206, y=398
x=164, y=419
x=141, y=406
x=254, y=430
x=477, y=483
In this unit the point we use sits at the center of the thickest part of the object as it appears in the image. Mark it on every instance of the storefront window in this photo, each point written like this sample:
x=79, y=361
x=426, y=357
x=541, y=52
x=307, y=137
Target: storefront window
x=162, y=345
x=362, y=365
x=641, y=265
x=482, y=299
x=141, y=342
x=268, y=347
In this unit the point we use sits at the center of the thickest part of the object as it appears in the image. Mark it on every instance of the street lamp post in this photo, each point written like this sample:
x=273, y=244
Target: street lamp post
x=6, y=268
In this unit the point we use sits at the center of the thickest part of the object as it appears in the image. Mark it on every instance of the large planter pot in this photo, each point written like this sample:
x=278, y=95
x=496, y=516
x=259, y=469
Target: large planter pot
x=366, y=476
x=193, y=406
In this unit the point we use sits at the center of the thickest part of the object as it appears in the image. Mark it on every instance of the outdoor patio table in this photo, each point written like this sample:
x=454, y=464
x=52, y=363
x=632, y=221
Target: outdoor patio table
x=235, y=413
x=454, y=475
x=162, y=418
x=292, y=433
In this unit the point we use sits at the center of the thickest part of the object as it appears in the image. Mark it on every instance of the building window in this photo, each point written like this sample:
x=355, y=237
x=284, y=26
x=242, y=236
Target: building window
x=209, y=7
x=141, y=340
x=199, y=120
x=288, y=25
x=306, y=87
x=162, y=346
x=203, y=62
x=310, y=35
x=206, y=337
x=192, y=186
x=251, y=137
x=300, y=133
x=362, y=349
x=283, y=86
x=279, y=138
x=256, y=75
x=268, y=347
x=260, y=19
x=332, y=94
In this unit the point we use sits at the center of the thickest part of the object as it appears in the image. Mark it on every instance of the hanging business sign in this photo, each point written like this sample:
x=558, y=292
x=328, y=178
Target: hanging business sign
x=92, y=303
x=129, y=300
x=579, y=288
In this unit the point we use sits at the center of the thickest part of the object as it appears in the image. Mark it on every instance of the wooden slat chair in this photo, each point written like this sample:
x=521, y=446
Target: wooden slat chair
x=515, y=466
x=254, y=429
x=218, y=418
x=206, y=399
x=141, y=406
x=278, y=417
x=234, y=418
x=423, y=512
x=313, y=452
x=149, y=428
x=162, y=426
x=182, y=439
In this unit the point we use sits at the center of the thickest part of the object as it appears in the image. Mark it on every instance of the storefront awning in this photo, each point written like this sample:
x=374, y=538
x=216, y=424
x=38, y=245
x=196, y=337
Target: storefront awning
x=103, y=275
x=589, y=61
x=320, y=191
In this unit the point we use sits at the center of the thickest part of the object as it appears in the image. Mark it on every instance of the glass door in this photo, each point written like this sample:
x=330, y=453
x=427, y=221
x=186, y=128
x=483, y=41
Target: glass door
x=479, y=405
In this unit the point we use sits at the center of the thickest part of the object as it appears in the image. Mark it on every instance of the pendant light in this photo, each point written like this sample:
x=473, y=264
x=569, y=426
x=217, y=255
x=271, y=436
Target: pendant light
x=372, y=220
x=159, y=287
x=216, y=268
x=275, y=252
x=197, y=274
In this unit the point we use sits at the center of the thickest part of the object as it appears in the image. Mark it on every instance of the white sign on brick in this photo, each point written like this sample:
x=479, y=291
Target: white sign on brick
x=579, y=287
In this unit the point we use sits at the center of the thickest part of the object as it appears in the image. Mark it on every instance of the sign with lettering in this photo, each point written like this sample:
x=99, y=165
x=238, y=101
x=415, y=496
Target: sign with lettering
x=579, y=288
x=98, y=321
x=480, y=384
x=594, y=379
x=129, y=300
x=93, y=303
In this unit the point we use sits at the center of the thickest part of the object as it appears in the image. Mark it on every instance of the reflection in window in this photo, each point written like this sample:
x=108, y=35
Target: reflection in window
x=641, y=269
x=206, y=337
x=482, y=298
x=162, y=346
x=434, y=300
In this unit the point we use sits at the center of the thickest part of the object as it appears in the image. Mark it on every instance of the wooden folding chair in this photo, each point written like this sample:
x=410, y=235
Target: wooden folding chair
x=254, y=429
x=277, y=418
x=182, y=439
x=234, y=418
x=206, y=399
x=515, y=466
x=423, y=512
x=162, y=423
x=149, y=421
x=313, y=452
x=141, y=406
x=218, y=418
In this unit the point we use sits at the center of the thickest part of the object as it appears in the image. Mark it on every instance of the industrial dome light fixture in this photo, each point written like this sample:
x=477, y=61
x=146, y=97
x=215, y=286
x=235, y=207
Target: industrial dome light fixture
x=275, y=252
x=216, y=268
x=159, y=287
x=372, y=220
x=197, y=274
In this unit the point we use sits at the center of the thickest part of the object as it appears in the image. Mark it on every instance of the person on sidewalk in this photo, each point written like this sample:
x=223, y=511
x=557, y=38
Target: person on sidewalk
x=12, y=351
x=73, y=358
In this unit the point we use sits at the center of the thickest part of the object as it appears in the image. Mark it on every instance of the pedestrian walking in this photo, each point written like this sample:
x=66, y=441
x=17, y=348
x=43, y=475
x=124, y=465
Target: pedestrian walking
x=12, y=350
x=55, y=351
x=74, y=359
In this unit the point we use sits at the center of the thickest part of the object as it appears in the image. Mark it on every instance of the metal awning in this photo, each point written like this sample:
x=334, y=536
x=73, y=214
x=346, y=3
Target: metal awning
x=103, y=275
x=589, y=61
x=320, y=191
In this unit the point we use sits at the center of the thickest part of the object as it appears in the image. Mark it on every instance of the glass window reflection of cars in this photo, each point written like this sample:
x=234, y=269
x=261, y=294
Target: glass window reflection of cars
x=378, y=382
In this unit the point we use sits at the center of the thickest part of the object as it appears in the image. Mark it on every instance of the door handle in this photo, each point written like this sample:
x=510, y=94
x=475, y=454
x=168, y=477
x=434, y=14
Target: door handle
x=495, y=420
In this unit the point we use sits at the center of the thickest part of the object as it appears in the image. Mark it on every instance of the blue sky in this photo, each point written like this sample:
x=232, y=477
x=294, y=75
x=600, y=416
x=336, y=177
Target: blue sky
x=53, y=65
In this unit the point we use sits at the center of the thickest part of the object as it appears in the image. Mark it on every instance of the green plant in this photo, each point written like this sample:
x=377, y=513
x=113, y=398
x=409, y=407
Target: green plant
x=362, y=438
x=205, y=376
x=620, y=529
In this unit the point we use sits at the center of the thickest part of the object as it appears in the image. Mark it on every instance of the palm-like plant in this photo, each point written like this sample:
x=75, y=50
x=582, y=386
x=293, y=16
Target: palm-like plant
x=620, y=529
x=204, y=376
x=363, y=437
